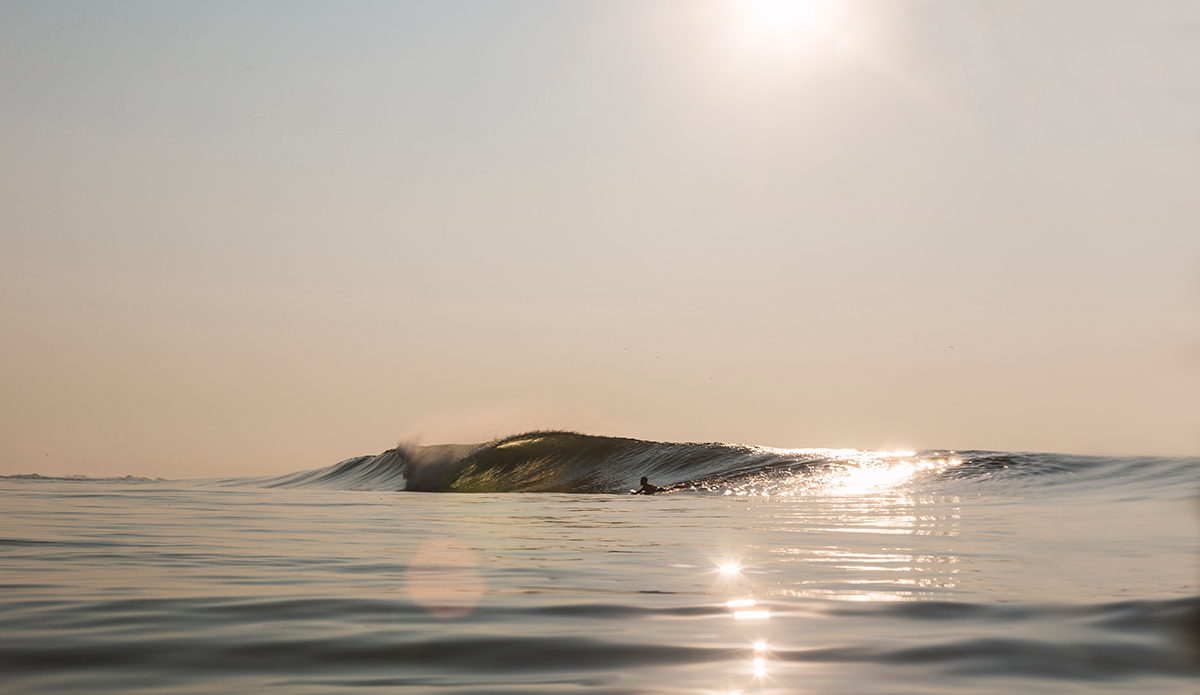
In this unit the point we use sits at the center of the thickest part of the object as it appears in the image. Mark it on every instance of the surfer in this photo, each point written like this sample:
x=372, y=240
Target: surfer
x=647, y=488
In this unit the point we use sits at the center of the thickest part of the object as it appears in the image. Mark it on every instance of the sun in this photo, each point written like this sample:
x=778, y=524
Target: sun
x=789, y=18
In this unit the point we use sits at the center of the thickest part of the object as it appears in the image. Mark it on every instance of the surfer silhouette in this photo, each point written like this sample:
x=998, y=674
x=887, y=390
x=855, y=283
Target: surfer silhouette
x=647, y=488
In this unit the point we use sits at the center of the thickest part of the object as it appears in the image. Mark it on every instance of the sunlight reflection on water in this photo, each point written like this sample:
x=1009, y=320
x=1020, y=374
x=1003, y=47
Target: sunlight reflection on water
x=866, y=494
x=473, y=591
x=847, y=472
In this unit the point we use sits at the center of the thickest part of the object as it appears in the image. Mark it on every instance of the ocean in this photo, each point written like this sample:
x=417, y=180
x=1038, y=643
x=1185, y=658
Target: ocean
x=525, y=566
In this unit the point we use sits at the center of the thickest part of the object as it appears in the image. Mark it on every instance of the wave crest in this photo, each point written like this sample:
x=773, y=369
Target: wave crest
x=570, y=462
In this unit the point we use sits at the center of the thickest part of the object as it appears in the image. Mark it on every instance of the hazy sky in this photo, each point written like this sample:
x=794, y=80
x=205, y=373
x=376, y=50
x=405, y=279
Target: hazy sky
x=250, y=238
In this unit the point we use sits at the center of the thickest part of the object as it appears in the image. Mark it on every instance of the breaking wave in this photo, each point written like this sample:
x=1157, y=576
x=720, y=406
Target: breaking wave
x=558, y=461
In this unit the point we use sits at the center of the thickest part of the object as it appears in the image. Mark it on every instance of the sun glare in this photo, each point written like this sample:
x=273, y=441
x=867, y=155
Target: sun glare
x=767, y=35
x=789, y=18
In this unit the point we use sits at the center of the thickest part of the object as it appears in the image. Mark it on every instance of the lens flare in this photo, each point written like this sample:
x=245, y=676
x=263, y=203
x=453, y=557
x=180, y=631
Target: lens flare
x=443, y=578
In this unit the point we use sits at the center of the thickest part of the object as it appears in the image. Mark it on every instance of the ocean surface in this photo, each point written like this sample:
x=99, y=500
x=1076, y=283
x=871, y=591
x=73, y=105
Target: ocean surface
x=525, y=566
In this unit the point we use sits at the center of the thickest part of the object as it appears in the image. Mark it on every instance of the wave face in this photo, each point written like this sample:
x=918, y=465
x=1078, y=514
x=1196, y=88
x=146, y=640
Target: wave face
x=569, y=462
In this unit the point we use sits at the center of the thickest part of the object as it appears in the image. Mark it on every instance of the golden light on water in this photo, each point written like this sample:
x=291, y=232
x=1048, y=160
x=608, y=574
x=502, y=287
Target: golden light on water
x=884, y=471
x=842, y=472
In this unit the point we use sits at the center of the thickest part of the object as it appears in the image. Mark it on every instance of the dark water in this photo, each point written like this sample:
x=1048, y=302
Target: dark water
x=759, y=571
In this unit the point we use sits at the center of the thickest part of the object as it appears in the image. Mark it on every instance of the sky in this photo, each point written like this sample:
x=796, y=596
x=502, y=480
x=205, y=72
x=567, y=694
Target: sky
x=254, y=238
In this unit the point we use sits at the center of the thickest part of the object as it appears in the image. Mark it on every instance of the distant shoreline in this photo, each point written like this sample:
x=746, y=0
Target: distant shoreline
x=82, y=478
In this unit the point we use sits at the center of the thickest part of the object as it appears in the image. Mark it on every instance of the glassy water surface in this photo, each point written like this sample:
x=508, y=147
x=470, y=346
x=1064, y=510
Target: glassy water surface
x=875, y=579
